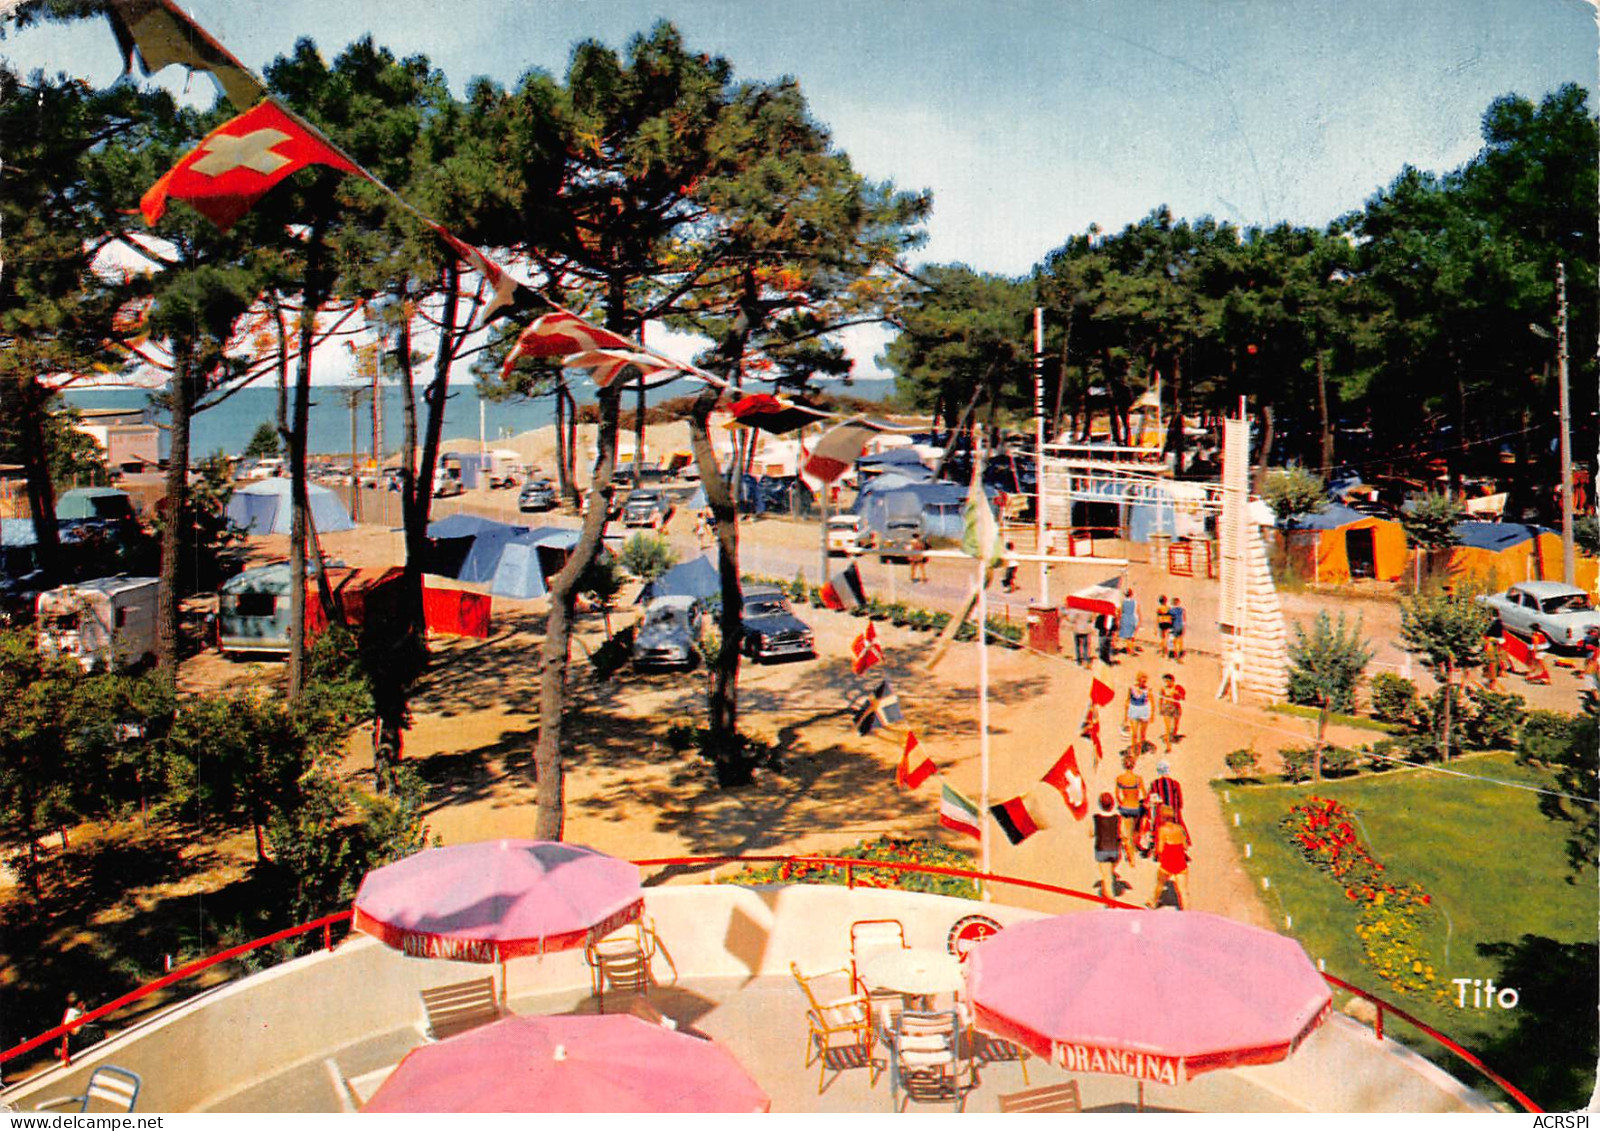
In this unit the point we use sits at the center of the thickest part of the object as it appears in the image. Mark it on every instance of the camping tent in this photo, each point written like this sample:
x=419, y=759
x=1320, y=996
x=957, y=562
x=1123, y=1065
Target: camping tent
x=1340, y=544
x=528, y=558
x=891, y=497
x=1504, y=553
x=698, y=577
x=902, y=461
x=265, y=508
x=94, y=503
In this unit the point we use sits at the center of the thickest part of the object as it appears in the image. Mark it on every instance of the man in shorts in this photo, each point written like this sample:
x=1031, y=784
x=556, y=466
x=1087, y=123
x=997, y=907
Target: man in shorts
x=1180, y=618
x=1170, y=704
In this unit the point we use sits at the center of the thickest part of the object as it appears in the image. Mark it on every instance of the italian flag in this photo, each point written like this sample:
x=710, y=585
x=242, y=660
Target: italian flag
x=956, y=812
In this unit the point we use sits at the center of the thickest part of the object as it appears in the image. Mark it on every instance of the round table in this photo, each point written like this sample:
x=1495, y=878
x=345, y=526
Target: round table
x=913, y=971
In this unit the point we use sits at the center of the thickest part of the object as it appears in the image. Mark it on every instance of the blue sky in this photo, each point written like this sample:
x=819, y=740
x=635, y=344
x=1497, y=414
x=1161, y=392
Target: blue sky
x=1029, y=119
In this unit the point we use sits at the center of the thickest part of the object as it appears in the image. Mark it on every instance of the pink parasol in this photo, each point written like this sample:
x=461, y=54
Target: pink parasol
x=1156, y=995
x=570, y=1064
x=495, y=900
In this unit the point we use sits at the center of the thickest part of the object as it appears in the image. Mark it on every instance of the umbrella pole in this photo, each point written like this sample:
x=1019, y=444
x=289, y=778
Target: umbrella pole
x=1141, y=1096
x=502, y=982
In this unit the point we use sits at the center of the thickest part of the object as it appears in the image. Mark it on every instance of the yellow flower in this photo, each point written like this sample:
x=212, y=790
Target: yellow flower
x=1416, y=967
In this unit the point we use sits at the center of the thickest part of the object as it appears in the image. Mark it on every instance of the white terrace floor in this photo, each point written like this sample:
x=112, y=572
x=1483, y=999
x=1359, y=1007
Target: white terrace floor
x=282, y=1040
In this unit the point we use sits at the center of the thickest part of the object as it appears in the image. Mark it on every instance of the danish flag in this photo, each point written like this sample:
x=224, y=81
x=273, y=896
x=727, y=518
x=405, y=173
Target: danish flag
x=865, y=651
x=238, y=163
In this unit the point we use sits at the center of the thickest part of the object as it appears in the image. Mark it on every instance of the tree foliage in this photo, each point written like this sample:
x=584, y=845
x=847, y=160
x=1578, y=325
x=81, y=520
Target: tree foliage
x=1294, y=491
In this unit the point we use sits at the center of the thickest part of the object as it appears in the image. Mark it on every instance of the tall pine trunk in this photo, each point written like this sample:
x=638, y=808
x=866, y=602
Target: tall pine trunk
x=32, y=414
x=550, y=798
x=1324, y=419
x=175, y=523
x=310, y=300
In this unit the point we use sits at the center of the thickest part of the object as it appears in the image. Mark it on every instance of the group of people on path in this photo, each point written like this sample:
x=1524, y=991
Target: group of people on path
x=1118, y=632
x=1148, y=820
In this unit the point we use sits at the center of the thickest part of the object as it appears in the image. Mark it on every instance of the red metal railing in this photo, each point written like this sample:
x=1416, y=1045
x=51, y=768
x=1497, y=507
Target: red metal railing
x=324, y=924
x=849, y=866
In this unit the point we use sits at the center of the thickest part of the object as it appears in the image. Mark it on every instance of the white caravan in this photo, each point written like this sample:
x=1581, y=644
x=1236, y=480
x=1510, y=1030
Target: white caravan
x=106, y=623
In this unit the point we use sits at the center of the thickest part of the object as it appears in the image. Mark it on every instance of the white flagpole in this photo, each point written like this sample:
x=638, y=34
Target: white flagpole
x=983, y=679
x=1038, y=454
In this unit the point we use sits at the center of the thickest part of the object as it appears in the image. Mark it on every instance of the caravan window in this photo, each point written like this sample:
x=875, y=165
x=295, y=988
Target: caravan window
x=122, y=618
x=62, y=622
x=256, y=604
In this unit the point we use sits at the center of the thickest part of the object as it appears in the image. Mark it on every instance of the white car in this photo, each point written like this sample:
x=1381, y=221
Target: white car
x=1562, y=612
x=846, y=536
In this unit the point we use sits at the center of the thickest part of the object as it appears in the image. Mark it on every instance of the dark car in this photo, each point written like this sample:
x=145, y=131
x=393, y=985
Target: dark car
x=537, y=495
x=646, y=507
x=771, y=629
x=20, y=584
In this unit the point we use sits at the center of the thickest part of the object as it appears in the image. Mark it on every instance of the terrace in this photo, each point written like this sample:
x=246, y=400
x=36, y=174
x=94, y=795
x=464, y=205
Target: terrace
x=287, y=1038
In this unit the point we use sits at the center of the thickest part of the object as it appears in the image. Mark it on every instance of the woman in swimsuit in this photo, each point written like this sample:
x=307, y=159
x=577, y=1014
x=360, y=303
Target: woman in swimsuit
x=1130, y=803
x=1136, y=714
x=1172, y=858
x=1107, y=844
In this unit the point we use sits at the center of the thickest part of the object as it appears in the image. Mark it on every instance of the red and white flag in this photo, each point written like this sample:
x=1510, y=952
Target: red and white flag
x=843, y=590
x=838, y=449
x=1517, y=648
x=1100, y=690
x=560, y=335
x=502, y=286
x=605, y=366
x=238, y=163
x=956, y=811
x=1068, y=782
x=915, y=768
x=865, y=651
x=1102, y=598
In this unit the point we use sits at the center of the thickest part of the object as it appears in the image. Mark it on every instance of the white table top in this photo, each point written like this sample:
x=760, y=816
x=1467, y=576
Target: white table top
x=913, y=971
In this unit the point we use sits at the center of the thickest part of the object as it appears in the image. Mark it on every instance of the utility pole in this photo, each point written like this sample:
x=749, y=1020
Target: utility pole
x=1568, y=555
x=1040, y=546
x=353, y=397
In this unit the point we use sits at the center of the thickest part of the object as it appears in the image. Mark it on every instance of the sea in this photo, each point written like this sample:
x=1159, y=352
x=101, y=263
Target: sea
x=228, y=425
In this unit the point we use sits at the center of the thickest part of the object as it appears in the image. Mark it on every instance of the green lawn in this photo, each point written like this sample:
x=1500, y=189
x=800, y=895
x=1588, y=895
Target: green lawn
x=1496, y=868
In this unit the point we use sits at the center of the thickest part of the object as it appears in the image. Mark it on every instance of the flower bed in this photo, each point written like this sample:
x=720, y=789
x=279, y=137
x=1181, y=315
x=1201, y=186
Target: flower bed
x=899, y=850
x=1392, y=919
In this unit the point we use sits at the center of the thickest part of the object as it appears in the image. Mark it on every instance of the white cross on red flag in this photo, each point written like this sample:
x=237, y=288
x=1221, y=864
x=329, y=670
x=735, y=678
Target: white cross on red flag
x=238, y=163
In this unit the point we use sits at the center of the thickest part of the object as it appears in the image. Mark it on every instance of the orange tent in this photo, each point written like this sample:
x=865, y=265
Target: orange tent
x=1504, y=553
x=1340, y=544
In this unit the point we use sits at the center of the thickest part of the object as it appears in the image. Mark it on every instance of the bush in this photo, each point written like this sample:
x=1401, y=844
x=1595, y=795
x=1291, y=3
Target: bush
x=1294, y=491
x=1297, y=762
x=1424, y=738
x=1383, y=750
x=611, y=656
x=1495, y=719
x=1546, y=736
x=1394, y=700
x=1244, y=762
x=899, y=850
x=1337, y=760
x=648, y=556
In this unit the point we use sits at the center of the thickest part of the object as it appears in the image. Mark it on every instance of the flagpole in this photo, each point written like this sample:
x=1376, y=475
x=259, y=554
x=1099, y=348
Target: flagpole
x=983, y=688
x=1038, y=454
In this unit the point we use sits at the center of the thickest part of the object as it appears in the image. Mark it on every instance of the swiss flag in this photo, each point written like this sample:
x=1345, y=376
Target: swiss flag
x=1064, y=776
x=238, y=163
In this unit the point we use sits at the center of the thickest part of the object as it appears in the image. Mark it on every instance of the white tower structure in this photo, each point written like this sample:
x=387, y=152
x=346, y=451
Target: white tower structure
x=1255, y=652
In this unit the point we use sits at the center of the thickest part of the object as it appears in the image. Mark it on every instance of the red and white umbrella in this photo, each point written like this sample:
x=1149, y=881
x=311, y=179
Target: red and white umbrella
x=494, y=900
x=1104, y=597
x=1155, y=995
x=570, y=1063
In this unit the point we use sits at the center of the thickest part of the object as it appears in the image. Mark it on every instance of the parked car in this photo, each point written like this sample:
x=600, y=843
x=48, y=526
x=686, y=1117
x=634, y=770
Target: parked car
x=897, y=536
x=447, y=482
x=21, y=581
x=1562, y=612
x=537, y=495
x=668, y=634
x=771, y=629
x=845, y=535
x=646, y=507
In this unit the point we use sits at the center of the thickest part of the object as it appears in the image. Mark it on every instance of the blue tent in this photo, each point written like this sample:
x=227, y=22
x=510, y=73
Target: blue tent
x=697, y=578
x=1335, y=516
x=17, y=532
x=266, y=508
x=529, y=557
x=902, y=461
x=487, y=547
x=891, y=497
x=94, y=503
x=460, y=525
x=1496, y=536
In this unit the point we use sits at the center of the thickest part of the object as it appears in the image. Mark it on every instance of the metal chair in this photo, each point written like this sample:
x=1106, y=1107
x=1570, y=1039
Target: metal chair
x=1051, y=1098
x=926, y=1061
x=867, y=938
x=116, y=1088
x=840, y=1035
x=621, y=961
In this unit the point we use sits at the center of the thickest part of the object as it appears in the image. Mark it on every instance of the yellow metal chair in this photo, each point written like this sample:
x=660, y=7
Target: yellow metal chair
x=840, y=1035
x=869, y=937
x=620, y=962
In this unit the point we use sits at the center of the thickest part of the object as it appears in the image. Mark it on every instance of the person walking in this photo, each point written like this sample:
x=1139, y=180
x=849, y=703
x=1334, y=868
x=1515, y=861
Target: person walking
x=1172, y=858
x=702, y=530
x=1080, y=623
x=1538, y=645
x=1105, y=625
x=1091, y=730
x=1163, y=626
x=1129, y=790
x=1136, y=711
x=1171, y=707
x=1179, y=620
x=1128, y=623
x=1494, y=655
x=918, y=558
x=1009, y=565
x=1107, y=844
x=1165, y=791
